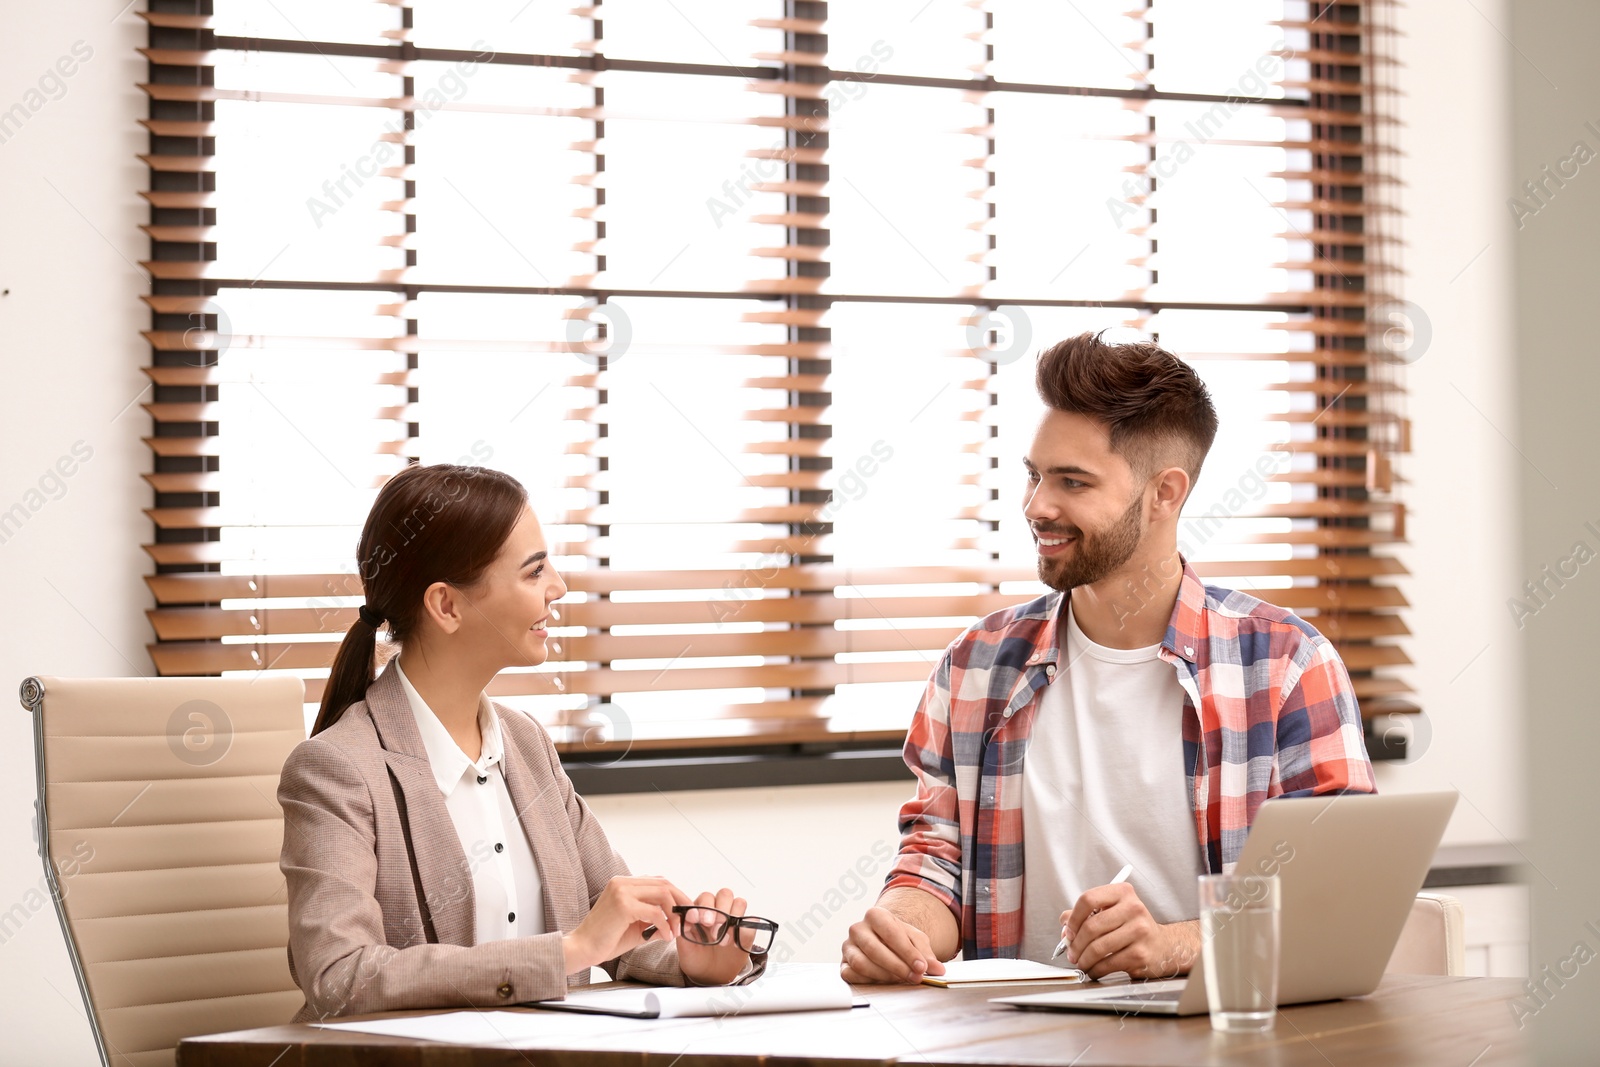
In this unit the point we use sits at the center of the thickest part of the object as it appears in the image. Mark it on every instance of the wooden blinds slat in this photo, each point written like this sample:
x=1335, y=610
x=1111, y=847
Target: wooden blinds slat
x=185, y=458
x=1354, y=240
x=197, y=379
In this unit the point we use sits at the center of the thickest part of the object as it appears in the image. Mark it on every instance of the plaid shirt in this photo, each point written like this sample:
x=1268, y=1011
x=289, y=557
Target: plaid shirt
x=1276, y=718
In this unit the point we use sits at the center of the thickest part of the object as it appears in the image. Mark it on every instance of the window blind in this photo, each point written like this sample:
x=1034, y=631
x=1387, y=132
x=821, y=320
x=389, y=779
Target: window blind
x=748, y=298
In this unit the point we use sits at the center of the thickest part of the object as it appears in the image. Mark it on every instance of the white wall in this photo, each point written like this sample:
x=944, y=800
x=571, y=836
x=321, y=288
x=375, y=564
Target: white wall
x=69, y=335
x=70, y=576
x=1555, y=136
x=811, y=857
x=1464, y=472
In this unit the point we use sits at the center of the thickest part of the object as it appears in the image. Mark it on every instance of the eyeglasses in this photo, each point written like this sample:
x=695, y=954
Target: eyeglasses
x=751, y=933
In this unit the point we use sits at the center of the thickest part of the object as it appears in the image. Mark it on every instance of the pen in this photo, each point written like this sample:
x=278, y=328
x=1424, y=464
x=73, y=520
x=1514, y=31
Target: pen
x=1122, y=876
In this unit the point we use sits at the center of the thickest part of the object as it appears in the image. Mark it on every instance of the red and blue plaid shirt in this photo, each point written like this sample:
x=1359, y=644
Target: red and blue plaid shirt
x=1276, y=717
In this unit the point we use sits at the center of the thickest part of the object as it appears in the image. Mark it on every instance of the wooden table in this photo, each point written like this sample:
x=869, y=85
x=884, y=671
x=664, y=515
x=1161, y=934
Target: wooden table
x=1409, y=1021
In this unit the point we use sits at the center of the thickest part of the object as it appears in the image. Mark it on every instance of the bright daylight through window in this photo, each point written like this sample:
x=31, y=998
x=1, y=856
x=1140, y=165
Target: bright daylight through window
x=748, y=296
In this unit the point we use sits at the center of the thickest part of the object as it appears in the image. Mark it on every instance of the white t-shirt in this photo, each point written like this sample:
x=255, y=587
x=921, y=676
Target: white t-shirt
x=1103, y=785
x=508, y=896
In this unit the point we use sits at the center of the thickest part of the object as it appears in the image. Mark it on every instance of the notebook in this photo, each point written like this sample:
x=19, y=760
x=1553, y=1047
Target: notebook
x=780, y=989
x=984, y=972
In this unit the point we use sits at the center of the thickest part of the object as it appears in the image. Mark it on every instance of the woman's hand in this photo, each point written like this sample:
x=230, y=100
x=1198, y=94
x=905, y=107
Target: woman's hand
x=716, y=964
x=625, y=908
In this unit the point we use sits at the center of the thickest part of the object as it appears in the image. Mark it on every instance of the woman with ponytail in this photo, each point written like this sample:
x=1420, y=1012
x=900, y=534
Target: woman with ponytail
x=435, y=852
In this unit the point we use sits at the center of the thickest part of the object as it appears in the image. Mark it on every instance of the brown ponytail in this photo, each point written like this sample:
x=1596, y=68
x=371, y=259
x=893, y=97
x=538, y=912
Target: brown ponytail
x=440, y=523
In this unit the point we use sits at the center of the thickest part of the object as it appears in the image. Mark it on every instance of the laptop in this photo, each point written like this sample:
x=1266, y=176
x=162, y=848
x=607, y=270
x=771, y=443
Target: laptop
x=1349, y=868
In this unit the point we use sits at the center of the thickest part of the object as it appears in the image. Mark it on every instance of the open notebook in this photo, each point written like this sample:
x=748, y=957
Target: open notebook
x=780, y=989
x=983, y=972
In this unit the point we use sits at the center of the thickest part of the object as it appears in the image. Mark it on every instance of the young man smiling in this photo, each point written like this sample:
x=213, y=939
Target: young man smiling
x=1134, y=716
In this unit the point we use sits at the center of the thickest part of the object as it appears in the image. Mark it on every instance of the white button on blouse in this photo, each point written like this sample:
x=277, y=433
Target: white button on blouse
x=507, y=892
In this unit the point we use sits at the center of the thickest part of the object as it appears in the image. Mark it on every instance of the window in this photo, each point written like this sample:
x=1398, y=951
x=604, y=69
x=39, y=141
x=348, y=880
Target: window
x=747, y=297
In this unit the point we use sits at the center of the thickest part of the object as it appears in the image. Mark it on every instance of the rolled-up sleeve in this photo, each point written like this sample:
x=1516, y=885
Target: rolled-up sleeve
x=930, y=822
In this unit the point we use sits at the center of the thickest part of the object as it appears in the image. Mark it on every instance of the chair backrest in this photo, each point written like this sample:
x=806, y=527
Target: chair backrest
x=1432, y=941
x=160, y=832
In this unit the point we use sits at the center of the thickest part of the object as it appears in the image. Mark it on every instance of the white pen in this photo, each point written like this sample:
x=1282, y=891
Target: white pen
x=1122, y=876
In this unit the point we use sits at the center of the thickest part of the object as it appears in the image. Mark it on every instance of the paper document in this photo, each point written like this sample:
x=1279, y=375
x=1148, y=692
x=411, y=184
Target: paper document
x=978, y=972
x=778, y=990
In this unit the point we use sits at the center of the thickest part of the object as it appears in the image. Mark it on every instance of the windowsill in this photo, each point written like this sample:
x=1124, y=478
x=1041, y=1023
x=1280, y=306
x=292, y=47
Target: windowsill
x=1475, y=865
x=725, y=763
x=745, y=769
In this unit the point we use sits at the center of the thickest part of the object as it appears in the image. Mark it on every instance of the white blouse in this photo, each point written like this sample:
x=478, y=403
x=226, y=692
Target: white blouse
x=506, y=888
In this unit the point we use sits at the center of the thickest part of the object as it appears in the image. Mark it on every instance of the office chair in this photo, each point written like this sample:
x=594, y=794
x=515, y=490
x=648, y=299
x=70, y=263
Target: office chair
x=1432, y=940
x=159, y=828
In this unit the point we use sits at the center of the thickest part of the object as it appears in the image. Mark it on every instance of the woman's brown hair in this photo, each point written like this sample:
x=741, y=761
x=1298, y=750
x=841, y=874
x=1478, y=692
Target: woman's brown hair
x=440, y=523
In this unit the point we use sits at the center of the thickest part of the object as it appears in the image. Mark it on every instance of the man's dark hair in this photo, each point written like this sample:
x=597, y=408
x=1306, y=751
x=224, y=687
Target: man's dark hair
x=1158, y=410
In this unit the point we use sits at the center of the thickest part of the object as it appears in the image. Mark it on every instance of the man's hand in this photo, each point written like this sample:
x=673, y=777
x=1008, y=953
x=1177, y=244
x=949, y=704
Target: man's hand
x=1109, y=929
x=884, y=948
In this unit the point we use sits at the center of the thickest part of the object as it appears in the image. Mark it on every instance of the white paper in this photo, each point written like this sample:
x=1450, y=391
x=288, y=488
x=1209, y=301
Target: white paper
x=779, y=990
x=794, y=987
x=967, y=972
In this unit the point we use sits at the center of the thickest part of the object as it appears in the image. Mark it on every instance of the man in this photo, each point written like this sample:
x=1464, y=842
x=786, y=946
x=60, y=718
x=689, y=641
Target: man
x=1132, y=717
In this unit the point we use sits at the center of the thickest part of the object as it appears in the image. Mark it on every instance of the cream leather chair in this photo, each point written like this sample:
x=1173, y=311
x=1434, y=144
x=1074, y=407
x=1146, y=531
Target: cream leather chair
x=1432, y=941
x=160, y=833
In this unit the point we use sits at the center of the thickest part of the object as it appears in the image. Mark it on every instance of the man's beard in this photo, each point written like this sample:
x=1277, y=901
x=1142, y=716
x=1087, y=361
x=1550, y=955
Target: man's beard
x=1095, y=556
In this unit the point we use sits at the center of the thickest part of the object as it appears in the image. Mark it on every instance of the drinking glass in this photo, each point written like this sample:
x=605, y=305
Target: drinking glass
x=1239, y=932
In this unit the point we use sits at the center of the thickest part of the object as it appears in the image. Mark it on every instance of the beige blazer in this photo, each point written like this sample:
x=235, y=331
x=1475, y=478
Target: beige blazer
x=359, y=940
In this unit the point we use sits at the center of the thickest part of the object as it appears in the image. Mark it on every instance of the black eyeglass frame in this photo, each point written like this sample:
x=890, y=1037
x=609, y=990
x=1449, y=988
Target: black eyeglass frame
x=758, y=956
x=729, y=922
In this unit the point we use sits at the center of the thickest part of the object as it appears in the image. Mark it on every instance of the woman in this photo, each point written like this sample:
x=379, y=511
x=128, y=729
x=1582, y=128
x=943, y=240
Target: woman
x=435, y=852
